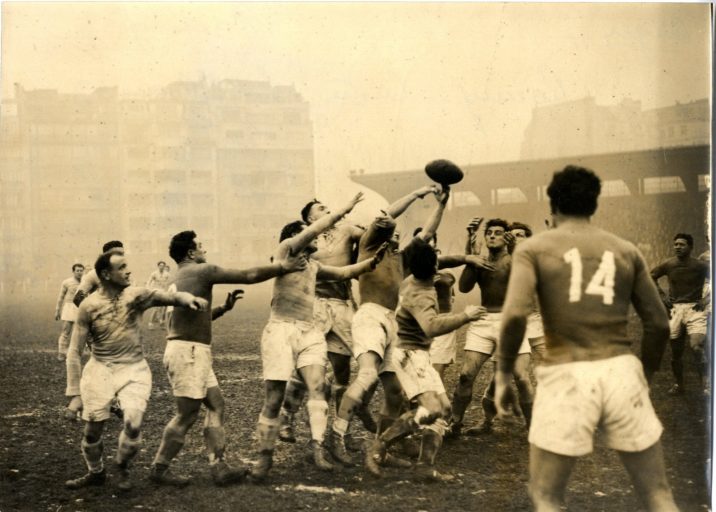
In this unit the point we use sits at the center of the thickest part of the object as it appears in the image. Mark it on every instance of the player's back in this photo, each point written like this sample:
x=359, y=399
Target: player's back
x=585, y=280
x=186, y=324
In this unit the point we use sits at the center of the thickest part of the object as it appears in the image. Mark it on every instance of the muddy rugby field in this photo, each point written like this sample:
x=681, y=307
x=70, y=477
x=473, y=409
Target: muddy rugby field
x=40, y=450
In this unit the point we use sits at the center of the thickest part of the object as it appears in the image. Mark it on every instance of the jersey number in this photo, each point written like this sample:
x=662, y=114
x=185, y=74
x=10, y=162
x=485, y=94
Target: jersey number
x=602, y=282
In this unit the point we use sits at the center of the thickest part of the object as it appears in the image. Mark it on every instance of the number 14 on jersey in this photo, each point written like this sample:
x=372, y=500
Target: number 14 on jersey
x=602, y=282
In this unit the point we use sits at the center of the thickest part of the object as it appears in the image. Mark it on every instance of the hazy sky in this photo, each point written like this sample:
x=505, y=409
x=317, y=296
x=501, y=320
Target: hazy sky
x=391, y=85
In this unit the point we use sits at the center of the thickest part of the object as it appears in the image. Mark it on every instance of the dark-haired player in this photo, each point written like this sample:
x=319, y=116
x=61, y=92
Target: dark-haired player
x=419, y=320
x=687, y=304
x=291, y=341
x=65, y=310
x=116, y=368
x=188, y=360
x=334, y=308
x=585, y=279
x=481, y=336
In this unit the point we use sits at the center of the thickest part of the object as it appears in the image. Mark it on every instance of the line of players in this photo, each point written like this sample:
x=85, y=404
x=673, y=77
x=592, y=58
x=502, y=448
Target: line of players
x=311, y=321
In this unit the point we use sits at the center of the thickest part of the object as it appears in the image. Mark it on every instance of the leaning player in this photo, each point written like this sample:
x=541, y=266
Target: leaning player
x=481, y=336
x=586, y=279
x=291, y=341
x=687, y=303
x=334, y=309
x=418, y=322
x=116, y=368
x=188, y=360
x=66, y=310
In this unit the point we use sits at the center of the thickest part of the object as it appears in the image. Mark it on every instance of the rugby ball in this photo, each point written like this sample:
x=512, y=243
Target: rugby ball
x=444, y=172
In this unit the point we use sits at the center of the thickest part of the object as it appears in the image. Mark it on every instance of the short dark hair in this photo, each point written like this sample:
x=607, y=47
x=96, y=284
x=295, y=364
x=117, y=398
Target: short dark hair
x=111, y=245
x=77, y=265
x=574, y=191
x=181, y=244
x=422, y=259
x=497, y=222
x=292, y=229
x=306, y=210
x=103, y=262
x=685, y=236
x=523, y=227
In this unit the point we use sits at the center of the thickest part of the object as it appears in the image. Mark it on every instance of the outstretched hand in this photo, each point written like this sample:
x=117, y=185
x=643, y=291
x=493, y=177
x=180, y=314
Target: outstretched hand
x=199, y=304
x=293, y=263
x=443, y=195
x=353, y=202
x=231, y=299
x=479, y=262
x=428, y=189
x=474, y=225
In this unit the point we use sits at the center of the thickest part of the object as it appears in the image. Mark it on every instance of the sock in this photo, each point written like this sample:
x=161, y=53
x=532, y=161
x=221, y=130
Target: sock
x=340, y=426
x=294, y=394
x=527, y=412
x=92, y=453
x=172, y=442
x=127, y=448
x=488, y=406
x=317, y=418
x=338, y=391
x=429, y=445
x=267, y=432
x=400, y=428
x=459, y=406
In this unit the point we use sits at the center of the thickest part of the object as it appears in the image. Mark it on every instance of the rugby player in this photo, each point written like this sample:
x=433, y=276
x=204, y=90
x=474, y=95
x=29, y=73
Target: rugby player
x=481, y=336
x=687, y=304
x=117, y=367
x=585, y=279
x=65, y=310
x=418, y=321
x=188, y=360
x=334, y=309
x=159, y=280
x=291, y=340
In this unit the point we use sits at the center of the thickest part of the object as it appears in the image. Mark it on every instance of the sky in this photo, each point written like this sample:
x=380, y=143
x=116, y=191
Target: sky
x=391, y=85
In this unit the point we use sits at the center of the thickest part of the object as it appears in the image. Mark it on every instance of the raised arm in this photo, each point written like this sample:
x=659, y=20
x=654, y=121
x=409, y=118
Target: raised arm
x=87, y=284
x=455, y=260
x=654, y=318
x=299, y=242
x=80, y=332
x=329, y=273
x=471, y=245
x=396, y=209
x=431, y=225
x=218, y=275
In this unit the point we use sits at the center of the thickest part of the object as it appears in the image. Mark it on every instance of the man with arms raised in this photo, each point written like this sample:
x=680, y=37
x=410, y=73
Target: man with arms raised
x=687, y=303
x=188, y=361
x=334, y=308
x=291, y=341
x=585, y=279
x=117, y=367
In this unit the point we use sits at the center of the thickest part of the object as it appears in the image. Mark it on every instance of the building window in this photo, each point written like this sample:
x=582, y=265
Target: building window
x=663, y=185
x=465, y=198
x=615, y=188
x=508, y=196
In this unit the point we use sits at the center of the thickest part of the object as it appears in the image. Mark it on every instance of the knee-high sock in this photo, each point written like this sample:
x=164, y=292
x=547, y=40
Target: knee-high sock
x=214, y=437
x=431, y=441
x=490, y=409
x=317, y=418
x=399, y=428
x=459, y=406
x=266, y=433
x=127, y=448
x=92, y=453
x=294, y=394
x=172, y=442
x=527, y=412
x=338, y=391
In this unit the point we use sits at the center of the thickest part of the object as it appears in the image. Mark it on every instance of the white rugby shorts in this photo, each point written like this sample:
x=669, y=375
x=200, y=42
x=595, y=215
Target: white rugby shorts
x=333, y=318
x=287, y=345
x=375, y=329
x=131, y=383
x=189, y=368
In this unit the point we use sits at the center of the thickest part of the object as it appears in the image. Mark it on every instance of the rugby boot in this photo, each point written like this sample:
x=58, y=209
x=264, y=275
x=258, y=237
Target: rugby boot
x=454, y=430
x=223, y=474
x=351, y=443
x=124, y=483
x=90, y=479
x=393, y=461
x=408, y=447
x=375, y=455
x=481, y=429
x=337, y=448
x=366, y=418
x=427, y=473
x=260, y=470
x=320, y=456
x=162, y=475
x=285, y=431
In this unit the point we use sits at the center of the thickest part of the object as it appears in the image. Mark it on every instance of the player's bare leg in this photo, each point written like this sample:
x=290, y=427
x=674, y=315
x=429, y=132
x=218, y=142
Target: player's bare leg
x=173, y=441
x=63, y=342
x=130, y=440
x=267, y=428
x=696, y=342
x=315, y=378
x=463, y=392
x=215, y=437
x=440, y=368
x=549, y=474
x=648, y=474
x=678, y=346
x=92, y=449
x=524, y=386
